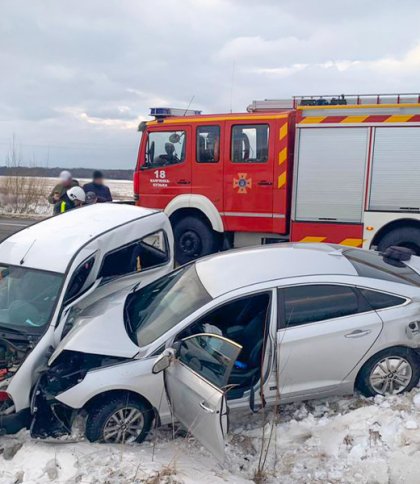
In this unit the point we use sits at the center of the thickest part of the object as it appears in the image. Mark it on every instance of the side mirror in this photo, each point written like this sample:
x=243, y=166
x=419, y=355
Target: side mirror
x=176, y=346
x=161, y=363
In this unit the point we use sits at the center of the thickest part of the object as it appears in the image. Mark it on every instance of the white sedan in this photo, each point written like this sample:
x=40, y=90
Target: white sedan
x=245, y=328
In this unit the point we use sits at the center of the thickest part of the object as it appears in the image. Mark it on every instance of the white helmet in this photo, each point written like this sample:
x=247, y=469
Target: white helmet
x=76, y=193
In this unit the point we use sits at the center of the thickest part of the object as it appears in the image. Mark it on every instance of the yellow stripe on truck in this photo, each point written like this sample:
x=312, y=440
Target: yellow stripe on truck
x=312, y=120
x=282, y=156
x=283, y=131
x=352, y=242
x=313, y=239
x=354, y=119
x=282, y=180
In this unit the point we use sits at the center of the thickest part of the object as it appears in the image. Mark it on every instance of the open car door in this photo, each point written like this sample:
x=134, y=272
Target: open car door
x=195, y=383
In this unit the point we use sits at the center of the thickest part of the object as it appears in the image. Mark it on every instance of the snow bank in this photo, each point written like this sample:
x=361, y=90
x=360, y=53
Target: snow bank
x=350, y=440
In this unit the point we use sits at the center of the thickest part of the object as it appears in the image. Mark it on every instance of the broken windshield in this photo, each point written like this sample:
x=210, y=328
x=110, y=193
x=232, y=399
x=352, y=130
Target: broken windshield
x=27, y=297
x=161, y=305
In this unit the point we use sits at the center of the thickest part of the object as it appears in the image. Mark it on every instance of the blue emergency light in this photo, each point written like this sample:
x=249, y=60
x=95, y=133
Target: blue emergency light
x=160, y=113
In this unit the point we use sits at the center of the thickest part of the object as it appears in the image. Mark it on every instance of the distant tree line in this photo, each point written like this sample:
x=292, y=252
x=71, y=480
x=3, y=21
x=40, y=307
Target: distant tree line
x=38, y=171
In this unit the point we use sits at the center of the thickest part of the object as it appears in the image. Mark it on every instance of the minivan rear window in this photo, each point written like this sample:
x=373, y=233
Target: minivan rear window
x=371, y=264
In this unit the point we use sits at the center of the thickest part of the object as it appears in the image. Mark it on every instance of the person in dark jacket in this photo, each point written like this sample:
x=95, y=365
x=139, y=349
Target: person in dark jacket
x=98, y=187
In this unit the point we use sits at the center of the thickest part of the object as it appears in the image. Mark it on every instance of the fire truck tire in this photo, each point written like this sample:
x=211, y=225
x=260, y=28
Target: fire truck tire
x=404, y=237
x=193, y=239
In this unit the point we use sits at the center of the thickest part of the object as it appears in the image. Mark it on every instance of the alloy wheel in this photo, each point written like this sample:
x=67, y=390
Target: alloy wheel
x=391, y=375
x=123, y=426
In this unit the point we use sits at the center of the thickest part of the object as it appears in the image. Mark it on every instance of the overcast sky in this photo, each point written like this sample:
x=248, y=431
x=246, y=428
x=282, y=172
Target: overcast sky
x=77, y=77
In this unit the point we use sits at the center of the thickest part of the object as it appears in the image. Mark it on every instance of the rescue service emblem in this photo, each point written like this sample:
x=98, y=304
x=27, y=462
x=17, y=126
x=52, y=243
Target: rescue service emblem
x=242, y=183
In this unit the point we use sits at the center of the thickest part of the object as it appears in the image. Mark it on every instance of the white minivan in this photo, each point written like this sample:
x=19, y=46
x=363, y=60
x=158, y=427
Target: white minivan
x=51, y=270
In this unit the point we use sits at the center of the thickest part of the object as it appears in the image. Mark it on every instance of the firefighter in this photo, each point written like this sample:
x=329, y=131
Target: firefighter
x=58, y=192
x=73, y=198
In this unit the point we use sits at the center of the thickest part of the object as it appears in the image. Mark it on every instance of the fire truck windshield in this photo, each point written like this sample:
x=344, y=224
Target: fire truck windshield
x=164, y=148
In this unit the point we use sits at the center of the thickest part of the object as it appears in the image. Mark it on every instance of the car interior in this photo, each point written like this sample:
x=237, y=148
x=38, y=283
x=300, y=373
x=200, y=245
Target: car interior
x=246, y=322
x=132, y=258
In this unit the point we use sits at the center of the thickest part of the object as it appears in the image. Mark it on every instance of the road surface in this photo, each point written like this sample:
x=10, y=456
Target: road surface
x=9, y=226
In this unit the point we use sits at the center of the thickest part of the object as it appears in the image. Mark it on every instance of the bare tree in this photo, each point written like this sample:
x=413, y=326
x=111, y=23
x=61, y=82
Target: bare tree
x=19, y=194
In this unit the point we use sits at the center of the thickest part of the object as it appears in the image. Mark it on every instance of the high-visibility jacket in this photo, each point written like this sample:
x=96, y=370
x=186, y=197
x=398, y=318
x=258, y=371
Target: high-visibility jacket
x=66, y=204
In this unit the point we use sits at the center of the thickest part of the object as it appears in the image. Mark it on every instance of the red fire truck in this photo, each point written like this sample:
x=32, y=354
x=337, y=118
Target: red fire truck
x=335, y=169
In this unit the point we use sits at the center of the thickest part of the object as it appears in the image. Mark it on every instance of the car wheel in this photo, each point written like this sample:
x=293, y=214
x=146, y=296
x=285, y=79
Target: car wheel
x=392, y=371
x=404, y=237
x=193, y=239
x=120, y=420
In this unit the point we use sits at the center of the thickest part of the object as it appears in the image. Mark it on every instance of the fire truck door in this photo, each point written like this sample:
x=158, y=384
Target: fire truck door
x=207, y=164
x=166, y=171
x=248, y=176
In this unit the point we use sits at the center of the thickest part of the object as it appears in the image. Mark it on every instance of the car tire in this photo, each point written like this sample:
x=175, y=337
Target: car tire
x=404, y=237
x=193, y=239
x=108, y=413
x=374, y=377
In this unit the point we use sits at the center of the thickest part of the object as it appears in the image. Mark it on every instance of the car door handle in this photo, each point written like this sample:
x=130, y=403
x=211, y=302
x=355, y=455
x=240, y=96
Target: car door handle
x=183, y=182
x=358, y=333
x=265, y=183
x=206, y=408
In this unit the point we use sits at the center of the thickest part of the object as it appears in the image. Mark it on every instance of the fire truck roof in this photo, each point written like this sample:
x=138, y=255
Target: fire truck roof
x=220, y=117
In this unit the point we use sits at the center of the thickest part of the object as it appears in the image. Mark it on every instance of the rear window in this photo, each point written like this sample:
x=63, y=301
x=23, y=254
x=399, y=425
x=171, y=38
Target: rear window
x=371, y=264
x=381, y=300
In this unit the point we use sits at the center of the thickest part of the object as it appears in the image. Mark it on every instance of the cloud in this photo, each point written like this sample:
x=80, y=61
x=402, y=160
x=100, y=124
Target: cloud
x=78, y=76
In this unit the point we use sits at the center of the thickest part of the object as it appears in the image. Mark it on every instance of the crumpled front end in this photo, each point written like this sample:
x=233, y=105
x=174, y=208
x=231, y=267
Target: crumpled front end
x=13, y=351
x=50, y=417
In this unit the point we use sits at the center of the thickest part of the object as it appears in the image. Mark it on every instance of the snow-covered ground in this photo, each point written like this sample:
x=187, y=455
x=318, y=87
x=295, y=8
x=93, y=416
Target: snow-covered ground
x=349, y=440
x=36, y=204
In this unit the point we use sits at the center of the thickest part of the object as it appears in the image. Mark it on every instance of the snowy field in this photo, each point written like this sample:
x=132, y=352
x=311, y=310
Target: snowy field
x=33, y=192
x=351, y=440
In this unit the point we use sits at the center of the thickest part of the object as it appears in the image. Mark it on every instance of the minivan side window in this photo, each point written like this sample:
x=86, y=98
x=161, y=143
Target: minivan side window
x=78, y=280
x=250, y=143
x=165, y=148
x=381, y=300
x=140, y=255
x=208, y=144
x=312, y=303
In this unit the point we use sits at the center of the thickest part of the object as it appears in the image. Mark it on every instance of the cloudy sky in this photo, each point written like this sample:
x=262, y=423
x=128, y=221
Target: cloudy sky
x=77, y=77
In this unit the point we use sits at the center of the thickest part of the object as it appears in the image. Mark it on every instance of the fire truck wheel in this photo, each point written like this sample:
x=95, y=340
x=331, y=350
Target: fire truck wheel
x=404, y=237
x=193, y=239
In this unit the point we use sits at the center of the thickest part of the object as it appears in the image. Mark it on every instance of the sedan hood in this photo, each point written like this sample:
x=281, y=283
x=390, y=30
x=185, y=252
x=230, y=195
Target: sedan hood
x=99, y=329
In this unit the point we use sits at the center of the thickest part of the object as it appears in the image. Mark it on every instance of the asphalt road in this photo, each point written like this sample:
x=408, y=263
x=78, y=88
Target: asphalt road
x=9, y=226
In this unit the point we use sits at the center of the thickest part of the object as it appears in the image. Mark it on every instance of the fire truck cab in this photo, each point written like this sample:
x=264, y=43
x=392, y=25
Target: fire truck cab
x=335, y=169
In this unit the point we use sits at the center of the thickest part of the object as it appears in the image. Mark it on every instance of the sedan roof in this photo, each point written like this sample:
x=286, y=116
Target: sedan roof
x=51, y=244
x=226, y=272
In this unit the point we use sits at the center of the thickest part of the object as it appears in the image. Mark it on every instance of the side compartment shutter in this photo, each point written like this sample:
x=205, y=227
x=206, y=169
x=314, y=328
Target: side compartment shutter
x=396, y=169
x=331, y=174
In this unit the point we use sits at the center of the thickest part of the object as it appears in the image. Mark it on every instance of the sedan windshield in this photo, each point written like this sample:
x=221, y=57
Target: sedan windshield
x=27, y=297
x=161, y=305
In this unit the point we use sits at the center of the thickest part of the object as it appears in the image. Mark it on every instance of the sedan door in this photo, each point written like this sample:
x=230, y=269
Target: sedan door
x=324, y=331
x=195, y=383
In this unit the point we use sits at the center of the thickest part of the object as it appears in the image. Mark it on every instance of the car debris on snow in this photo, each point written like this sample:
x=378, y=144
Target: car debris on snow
x=348, y=440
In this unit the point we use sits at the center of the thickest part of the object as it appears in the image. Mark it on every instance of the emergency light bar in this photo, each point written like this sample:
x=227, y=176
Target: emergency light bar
x=268, y=105
x=160, y=113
